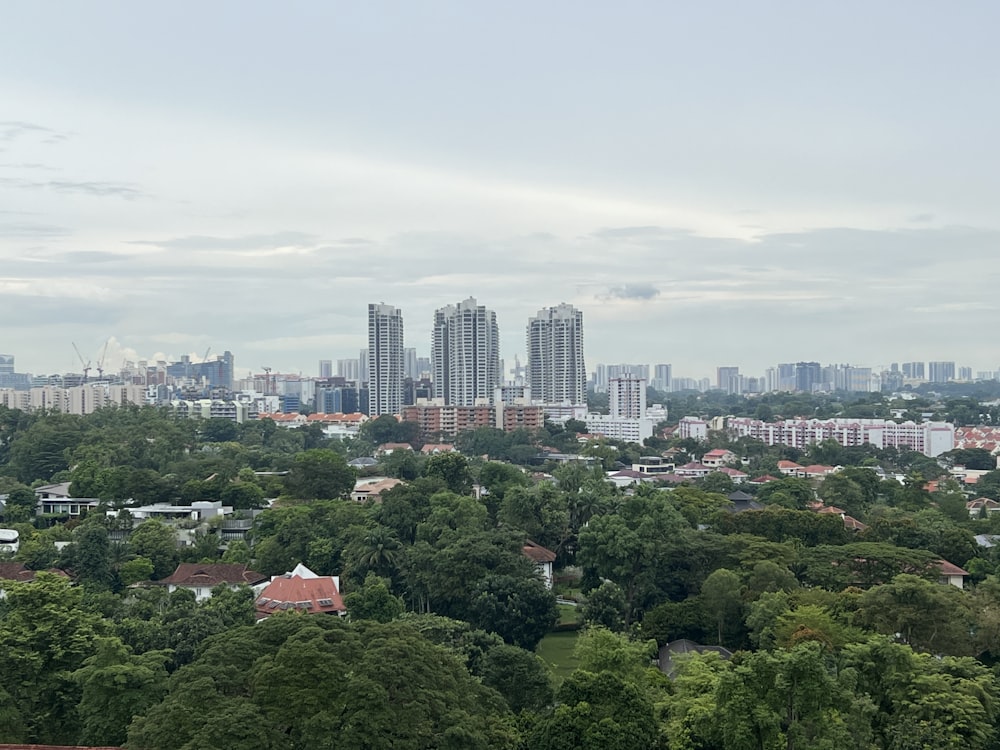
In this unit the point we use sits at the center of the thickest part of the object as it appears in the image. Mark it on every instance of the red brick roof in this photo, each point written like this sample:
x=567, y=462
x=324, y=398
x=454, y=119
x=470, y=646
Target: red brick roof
x=311, y=595
x=212, y=574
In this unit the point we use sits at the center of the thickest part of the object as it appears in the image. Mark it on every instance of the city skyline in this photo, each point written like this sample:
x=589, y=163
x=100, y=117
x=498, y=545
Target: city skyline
x=721, y=174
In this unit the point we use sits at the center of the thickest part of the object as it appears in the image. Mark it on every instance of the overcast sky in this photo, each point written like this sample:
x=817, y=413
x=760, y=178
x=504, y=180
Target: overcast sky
x=711, y=183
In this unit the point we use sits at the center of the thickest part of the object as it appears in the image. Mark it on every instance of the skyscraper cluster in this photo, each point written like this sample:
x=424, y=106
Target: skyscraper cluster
x=465, y=356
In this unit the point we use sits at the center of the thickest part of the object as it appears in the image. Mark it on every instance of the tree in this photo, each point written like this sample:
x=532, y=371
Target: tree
x=519, y=610
x=394, y=689
x=89, y=556
x=156, y=542
x=115, y=686
x=631, y=547
x=927, y=616
x=605, y=607
x=789, y=699
x=790, y=492
x=387, y=429
x=597, y=712
x=920, y=701
x=320, y=474
x=373, y=601
x=243, y=495
x=135, y=570
x=45, y=635
x=541, y=512
x=453, y=469
x=20, y=504
x=722, y=595
x=519, y=676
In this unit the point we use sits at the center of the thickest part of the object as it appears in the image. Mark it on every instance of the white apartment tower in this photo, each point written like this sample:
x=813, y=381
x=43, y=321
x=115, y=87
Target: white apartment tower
x=466, y=354
x=627, y=397
x=556, y=373
x=385, y=360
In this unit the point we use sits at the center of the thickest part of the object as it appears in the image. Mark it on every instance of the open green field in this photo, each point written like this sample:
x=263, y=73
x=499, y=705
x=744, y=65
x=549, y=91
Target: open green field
x=556, y=650
x=567, y=614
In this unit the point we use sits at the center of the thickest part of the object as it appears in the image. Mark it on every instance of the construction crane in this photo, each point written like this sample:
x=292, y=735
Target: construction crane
x=100, y=362
x=207, y=352
x=86, y=365
x=267, y=380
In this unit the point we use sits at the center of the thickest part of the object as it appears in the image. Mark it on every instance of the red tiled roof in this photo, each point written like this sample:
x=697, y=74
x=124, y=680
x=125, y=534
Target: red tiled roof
x=950, y=569
x=312, y=595
x=212, y=574
x=764, y=479
x=719, y=452
x=16, y=571
x=538, y=553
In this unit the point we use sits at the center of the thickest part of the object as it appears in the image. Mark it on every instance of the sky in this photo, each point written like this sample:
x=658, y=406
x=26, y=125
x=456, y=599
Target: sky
x=711, y=183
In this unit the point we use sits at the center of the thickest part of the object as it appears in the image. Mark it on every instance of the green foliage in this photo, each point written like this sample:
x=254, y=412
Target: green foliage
x=115, y=686
x=156, y=542
x=320, y=474
x=373, y=601
x=452, y=469
x=781, y=524
x=631, y=546
x=927, y=616
x=393, y=689
x=521, y=610
x=863, y=564
x=605, y=607
x=45, y=635
x=519, y=676
x=597, y=712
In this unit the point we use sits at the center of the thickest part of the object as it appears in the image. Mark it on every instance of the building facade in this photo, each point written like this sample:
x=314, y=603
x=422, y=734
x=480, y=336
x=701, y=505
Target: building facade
x=627, y=397
x=466, y=354
x=385, y=360
x=930, y=438
x=556, y=372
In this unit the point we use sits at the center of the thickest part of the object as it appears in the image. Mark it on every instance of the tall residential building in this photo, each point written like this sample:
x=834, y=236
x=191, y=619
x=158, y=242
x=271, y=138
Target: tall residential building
x=940, y=372
x=363, y=366
x=727, y=379
x=385, y=360
x=349, y=369
x=556, y=373
x=913, y=370
x=410, y=363
x=466, y=353
x=627, y=397
x=326, y=368
x=808, y=375
x=662, y=377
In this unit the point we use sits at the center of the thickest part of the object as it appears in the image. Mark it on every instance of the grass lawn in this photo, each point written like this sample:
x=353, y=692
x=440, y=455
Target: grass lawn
x=556, y=649
x=567, y=614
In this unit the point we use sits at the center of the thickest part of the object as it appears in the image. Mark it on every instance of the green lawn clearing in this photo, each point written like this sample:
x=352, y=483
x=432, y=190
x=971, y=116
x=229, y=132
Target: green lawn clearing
x=556, y=650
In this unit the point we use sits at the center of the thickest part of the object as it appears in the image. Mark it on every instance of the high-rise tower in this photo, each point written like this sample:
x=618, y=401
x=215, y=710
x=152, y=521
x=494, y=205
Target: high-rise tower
x=466, y=354
x=556, y=372
x=385, y=360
